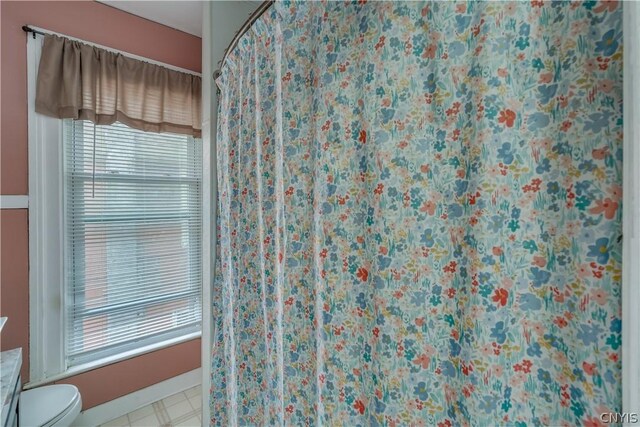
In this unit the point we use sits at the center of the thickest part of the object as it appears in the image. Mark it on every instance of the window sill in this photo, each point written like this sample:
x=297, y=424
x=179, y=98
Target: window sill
x=112, y=359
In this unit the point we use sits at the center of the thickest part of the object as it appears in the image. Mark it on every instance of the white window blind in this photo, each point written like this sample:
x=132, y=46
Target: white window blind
x=132, y=238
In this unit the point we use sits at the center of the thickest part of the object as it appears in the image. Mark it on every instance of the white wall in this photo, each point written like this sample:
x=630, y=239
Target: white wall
x=226, y=19
x=221, y=21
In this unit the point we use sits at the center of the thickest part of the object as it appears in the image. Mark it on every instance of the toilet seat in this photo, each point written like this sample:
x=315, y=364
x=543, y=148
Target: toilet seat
x=54, y=405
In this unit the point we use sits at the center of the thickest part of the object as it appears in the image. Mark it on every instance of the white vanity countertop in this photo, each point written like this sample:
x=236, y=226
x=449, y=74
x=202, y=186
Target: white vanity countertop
x=10, y=364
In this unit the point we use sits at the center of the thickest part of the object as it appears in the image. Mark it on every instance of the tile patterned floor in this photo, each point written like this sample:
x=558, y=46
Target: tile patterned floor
x=181, y=409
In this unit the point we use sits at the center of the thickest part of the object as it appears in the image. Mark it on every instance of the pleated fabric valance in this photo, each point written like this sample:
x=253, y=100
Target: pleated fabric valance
x=79, y=81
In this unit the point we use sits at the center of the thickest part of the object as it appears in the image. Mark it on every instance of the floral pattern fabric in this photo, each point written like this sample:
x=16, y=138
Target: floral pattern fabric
x=420, y=215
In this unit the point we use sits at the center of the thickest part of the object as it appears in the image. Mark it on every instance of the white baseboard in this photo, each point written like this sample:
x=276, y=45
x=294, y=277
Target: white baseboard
x=130, y=402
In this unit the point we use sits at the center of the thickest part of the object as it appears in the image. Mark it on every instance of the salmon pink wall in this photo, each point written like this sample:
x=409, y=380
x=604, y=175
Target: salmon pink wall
x=133, y=374
x=106, y=26
x=14, y=270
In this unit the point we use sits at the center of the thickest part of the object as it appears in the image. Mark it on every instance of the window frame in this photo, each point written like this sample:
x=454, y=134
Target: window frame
x=74, y=185
x=47, y=226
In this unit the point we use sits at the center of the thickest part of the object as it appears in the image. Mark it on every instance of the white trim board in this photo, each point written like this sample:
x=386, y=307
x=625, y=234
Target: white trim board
x=631, y=213
x=130, y=402
x=46, y=296
x=208, y=210
x=14, y=202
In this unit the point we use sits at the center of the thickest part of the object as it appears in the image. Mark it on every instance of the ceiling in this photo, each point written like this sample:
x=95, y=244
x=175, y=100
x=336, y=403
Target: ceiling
x=182, y=15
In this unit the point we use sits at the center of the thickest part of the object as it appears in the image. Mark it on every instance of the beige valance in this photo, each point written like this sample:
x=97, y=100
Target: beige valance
x=79, y=81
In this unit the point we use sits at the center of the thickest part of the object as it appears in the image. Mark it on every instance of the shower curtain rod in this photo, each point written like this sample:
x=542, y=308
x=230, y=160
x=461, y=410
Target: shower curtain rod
x=245, y=27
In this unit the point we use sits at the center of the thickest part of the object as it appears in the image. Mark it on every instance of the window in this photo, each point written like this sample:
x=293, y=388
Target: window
x=132, y=262
x=116, y=240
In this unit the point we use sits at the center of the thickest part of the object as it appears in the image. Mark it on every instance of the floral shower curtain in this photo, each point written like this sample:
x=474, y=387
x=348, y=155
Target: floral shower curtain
x=420, y=215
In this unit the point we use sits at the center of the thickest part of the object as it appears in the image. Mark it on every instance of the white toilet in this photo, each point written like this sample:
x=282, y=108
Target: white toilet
x=50, y=406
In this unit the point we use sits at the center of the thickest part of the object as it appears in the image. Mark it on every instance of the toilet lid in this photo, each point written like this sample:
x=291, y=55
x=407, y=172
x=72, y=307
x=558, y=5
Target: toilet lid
x=43, y=405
